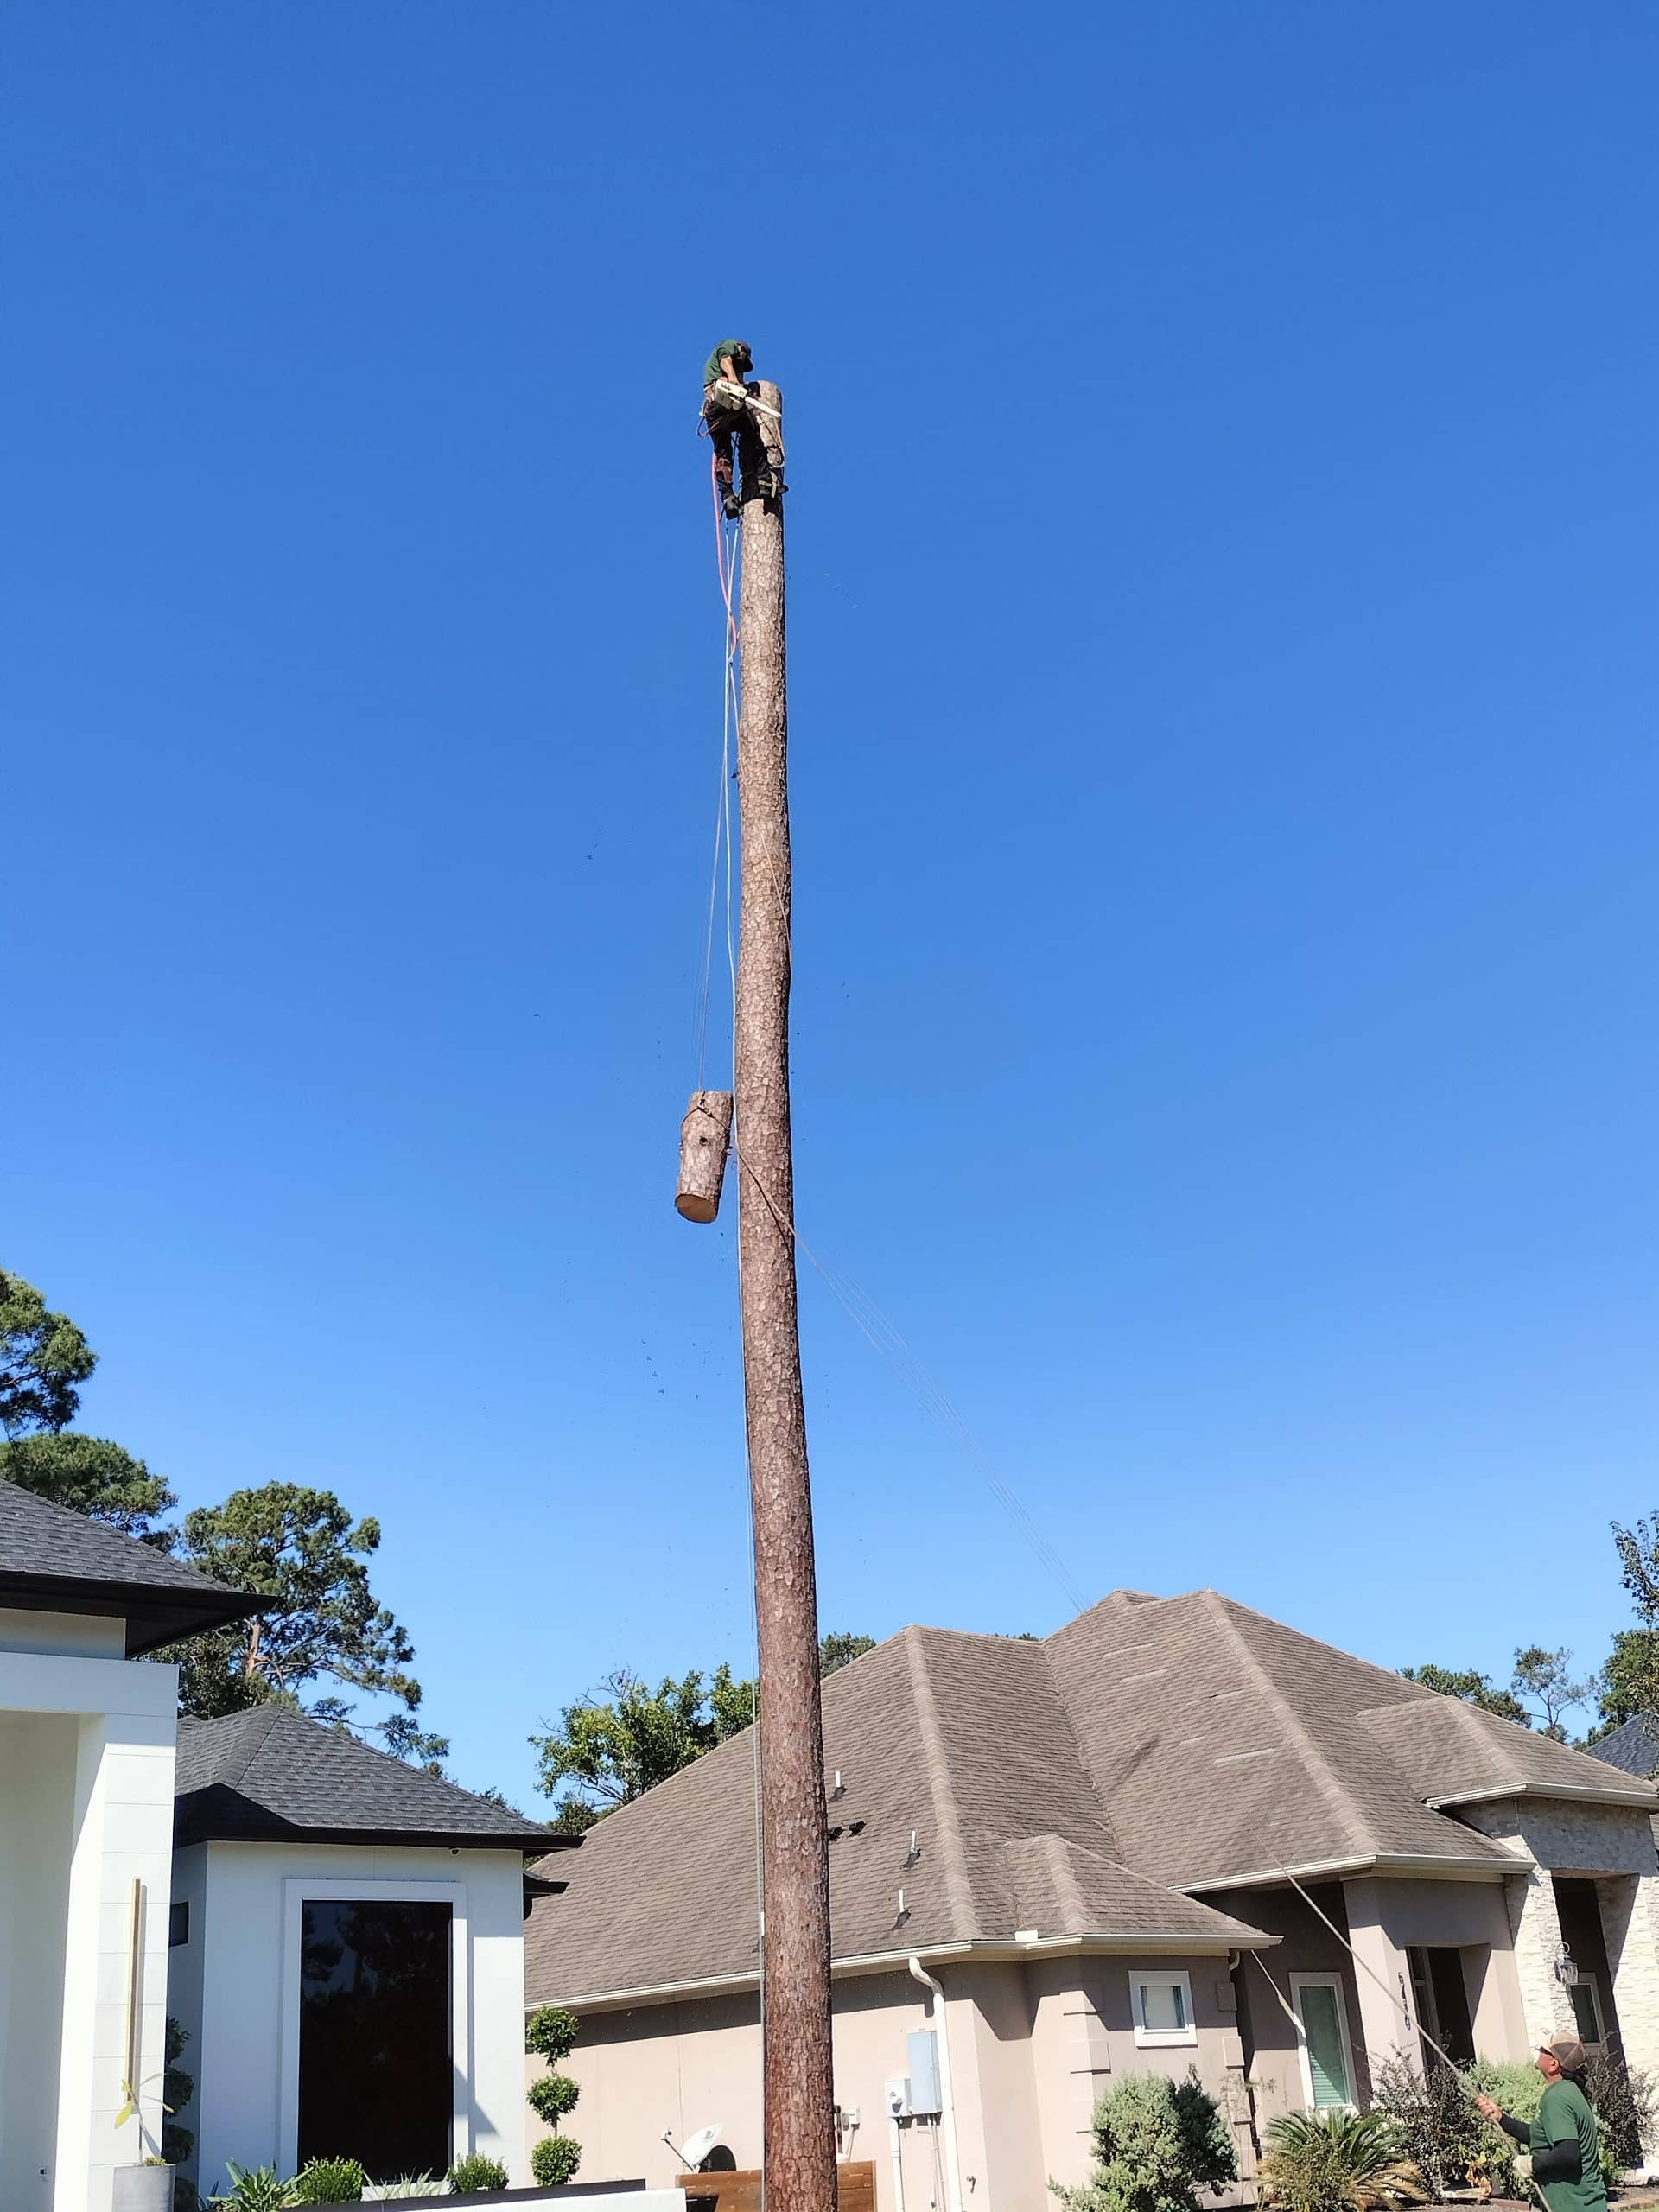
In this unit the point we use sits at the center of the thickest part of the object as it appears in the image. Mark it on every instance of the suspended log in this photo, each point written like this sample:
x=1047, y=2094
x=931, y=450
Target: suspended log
x=705, y=1135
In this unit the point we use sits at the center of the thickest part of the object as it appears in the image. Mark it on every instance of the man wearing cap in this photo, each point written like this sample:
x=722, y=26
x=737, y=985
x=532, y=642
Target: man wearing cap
x=1565, y=2150
x=741, y=431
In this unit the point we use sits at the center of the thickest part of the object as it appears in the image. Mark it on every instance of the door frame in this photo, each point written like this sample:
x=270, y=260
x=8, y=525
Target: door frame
x=1298, y=1983
x=298, y=1891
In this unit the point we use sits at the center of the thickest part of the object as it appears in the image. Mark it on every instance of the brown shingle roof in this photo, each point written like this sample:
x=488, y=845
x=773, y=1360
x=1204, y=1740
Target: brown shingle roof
x=1077, y=1786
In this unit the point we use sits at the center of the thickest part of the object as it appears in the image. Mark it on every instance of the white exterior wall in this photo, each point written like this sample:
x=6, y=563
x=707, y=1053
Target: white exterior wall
x=96, y=1816
x=243, y=1983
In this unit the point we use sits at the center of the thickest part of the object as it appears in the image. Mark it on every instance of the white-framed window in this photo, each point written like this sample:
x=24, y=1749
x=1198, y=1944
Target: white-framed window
x=1322, y=2044
x=1162, y=2003
x=1586, y=2011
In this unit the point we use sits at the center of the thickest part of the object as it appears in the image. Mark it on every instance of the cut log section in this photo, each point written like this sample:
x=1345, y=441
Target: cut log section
x=705, y=1136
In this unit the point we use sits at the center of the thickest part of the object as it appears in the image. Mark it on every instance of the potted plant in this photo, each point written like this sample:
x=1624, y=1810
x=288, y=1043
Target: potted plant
x=147, y=2187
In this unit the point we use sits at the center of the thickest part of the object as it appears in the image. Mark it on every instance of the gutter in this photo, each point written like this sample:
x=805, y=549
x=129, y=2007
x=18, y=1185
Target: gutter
x=1577, y=1793
x=1423, y=1865
x=994, y=1950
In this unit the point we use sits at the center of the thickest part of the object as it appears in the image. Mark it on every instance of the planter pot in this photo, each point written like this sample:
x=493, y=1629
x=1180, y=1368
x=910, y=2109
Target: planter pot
x=143, y=2188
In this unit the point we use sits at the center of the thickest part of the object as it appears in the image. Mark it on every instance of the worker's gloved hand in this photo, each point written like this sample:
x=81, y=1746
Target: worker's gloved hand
x=1524, y=2166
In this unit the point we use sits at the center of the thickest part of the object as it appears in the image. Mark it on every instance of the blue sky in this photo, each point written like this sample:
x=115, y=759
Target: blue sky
x=1224, y=499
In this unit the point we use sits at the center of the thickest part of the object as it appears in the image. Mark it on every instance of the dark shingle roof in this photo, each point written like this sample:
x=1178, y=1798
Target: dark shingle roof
x=273, y=1774
x=52, y=1561
x=1633, y=1746
x=1080, y=1786
x=960, y=1738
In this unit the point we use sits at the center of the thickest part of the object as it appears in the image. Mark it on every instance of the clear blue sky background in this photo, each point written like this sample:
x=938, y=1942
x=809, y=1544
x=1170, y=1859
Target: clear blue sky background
x=1223, y=669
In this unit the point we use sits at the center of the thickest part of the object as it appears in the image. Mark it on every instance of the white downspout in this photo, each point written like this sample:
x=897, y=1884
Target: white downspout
x=896, y=2137
x=947, y=2101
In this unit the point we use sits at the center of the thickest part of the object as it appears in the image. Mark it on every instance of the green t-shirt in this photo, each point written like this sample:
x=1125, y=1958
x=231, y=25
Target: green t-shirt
x=711, y=367
x=1564, y=2116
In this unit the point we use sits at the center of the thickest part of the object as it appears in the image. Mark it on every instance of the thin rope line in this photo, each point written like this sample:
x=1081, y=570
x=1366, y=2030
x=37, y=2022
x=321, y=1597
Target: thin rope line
x=872, y=1322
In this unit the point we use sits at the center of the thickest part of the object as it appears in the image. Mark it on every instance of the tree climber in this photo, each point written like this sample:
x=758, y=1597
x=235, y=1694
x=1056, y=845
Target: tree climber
x=741, y=430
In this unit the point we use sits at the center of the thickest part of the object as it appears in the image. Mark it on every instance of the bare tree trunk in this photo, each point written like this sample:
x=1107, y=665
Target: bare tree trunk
x=800, y=2143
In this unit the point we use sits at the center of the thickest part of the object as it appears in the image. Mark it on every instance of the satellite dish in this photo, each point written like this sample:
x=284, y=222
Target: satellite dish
x=698, y=2147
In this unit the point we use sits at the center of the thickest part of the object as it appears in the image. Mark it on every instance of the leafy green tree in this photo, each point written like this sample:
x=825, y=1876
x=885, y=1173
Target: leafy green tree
x=626, y=1737
x=299, y=1548
x=1473, y=1687
x=1629, y=1684
x=43, y=1359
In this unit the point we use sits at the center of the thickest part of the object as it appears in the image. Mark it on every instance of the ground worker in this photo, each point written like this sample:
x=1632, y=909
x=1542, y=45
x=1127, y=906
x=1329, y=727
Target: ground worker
x=742, y=432
x=1564, y=2145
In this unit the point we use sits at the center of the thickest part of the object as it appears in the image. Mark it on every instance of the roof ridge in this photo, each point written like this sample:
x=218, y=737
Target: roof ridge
x=1324, y=1777
x=952, y=1855
x=270, y=1714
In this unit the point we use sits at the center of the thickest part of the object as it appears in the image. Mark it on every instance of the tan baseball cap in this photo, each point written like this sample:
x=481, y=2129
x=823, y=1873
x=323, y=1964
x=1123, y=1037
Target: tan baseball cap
x=1566, y=2051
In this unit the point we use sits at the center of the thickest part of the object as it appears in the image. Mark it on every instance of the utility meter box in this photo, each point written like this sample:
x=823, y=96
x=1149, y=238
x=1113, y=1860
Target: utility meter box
x=924, y=2070
x=897, y=2090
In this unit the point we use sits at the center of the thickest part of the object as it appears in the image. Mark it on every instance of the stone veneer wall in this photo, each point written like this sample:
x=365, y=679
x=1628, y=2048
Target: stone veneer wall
x=1614, y=1846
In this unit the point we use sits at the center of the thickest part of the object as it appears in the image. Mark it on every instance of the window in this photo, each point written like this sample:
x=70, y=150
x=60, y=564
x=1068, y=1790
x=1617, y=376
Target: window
x=375, y=2079
x=1326, y=2055
x=1163, y=2009
x=178, y=1924
x=1586, y=2011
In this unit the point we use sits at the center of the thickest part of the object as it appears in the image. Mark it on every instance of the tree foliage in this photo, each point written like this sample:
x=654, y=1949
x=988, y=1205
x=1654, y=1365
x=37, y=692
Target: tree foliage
x=299, y=1548
x=1157, y=2143
x=1546, y=1678
x=89, y=1475
x=43, y=1360
x=1472, y=1687
x=624, y=1737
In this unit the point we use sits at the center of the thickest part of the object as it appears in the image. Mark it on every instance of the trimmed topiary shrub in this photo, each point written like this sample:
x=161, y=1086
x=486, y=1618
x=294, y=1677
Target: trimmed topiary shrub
x=330, y=2181
x=472, y=2176
x=1157, y=2143
x=552, y=2095
x=555, y=2159
x=549, y=2034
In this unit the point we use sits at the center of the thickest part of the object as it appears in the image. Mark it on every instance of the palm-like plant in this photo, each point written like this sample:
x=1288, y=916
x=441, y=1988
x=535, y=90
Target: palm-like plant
x=257, y=2189
x=1338, y=2162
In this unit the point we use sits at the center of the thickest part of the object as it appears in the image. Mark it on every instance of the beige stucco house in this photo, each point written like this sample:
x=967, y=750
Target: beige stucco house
x=1086, y=1845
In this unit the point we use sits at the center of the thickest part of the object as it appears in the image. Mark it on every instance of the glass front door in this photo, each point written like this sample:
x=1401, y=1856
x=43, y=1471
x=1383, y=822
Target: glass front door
x=377, y=2081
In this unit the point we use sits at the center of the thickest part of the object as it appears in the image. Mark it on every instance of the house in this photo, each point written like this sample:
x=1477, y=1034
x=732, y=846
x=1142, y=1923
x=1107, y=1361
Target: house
x=341, y=1934
x=86, y=1735
x=1633, y=1746
x=348, y=1953
x=1173, y=1834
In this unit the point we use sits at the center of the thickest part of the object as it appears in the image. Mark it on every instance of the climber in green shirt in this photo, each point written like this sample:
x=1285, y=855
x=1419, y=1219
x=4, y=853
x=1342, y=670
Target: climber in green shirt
x=1565, y=2146
x=741, y=433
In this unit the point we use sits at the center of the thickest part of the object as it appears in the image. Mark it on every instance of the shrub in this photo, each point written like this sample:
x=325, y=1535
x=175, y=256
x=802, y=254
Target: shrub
x=1338, y=2162
x=551, y=2033
x=257, y=2189
x=1625, y=2103
x=330, y=2181
x=552, y=2095
x=1157, y=2143
x=409, y=2186
x=472, y=2176
x=555, y=2159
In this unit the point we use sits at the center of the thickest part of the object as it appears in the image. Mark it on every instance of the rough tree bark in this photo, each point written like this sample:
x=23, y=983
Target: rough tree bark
x=800, y=2143
x=704, y=1135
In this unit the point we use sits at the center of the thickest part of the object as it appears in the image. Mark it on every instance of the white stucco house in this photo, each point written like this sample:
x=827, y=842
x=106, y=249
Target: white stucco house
x=341, y=1935
x=346, y=1954
x=87, y=1748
